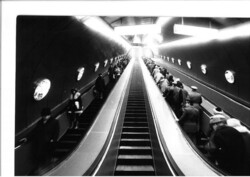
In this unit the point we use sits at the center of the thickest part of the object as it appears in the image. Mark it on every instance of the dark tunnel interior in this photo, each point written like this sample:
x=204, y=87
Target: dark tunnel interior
x=57, y=48
x=54, y=48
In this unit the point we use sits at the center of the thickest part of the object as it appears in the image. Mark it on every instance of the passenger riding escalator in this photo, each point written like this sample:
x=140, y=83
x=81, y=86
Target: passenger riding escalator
x=72, y=138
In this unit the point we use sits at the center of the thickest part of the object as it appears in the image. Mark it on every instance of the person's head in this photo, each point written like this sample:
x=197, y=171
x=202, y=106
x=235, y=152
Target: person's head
x=179, y=84
x=74, y=90
x=46, y=113
x=171, y=78
x=217, y=121
x=175, y=81
x=77, y=94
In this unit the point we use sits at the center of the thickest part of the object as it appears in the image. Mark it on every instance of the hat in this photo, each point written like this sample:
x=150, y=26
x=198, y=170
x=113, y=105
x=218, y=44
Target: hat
x=194, y=88
x=217, y=119
x=235, y=123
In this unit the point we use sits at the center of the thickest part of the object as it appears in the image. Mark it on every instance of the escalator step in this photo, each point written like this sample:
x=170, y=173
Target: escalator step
x=135, y=129
x=135, y=157
x=135, y=135
x=136, y=147
x=135, y=124
x=135, y=151
x=135, y=119
x=135, y=142
x=135, y=115
x=134, y=168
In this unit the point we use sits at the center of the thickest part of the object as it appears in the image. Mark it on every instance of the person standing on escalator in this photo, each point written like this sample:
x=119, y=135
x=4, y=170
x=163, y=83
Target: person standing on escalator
x=75, y=108
x=100, y=86
x=44, y=137
x=226, y=146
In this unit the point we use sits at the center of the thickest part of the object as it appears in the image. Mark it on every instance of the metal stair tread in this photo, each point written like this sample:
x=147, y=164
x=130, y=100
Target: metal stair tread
x=135, y=127
x=136, y=147
x=136, y=139
x=134, y=157
x=137, y=133
x=134, y=168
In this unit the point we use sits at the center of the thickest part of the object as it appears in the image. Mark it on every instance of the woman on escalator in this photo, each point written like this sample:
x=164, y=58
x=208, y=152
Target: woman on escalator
x=75, y=108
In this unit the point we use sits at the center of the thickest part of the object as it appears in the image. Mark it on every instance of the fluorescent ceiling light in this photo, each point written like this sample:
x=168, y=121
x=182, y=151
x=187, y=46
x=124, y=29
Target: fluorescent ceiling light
x=193, y=30
x=238, y=31
x=138, y=29
x=98, y=25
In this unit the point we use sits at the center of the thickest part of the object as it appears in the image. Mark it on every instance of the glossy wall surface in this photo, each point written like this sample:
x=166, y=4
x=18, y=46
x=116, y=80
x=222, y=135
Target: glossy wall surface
x=218, y=56
x=54, y=48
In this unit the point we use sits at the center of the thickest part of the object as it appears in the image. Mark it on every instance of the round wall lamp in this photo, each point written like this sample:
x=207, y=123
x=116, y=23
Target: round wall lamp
x=204, y=69
x=179, y=61
x=105, y=63
x=189, y=64
x=97, y=66
x=80, y=73
x=42, y=87
x=230, y=76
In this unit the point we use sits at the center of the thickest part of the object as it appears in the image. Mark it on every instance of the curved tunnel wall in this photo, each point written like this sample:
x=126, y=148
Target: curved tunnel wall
x=218, y=56
x=54, y=48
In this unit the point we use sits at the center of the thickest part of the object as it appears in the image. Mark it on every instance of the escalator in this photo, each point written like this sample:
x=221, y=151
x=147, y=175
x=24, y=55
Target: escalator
x=135, y=149
x=72, y=137
x=135, y=156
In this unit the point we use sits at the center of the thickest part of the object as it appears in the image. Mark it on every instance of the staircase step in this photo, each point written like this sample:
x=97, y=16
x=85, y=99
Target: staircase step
x=135, y=157
x=135, y=142
x=136, y=147
x=138, y=111
x=135, y=119
x=144, y=135
x=135, y=168
x=135, y=129
x=140, y=124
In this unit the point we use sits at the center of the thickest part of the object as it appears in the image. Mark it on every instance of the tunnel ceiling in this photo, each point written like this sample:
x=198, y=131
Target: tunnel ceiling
x=217, y=23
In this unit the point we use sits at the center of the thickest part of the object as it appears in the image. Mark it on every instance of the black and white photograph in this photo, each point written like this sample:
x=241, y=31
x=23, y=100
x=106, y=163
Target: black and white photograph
x=139, y=89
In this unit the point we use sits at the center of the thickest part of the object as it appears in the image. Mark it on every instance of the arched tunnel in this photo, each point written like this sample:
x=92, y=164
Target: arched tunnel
x=132, y=130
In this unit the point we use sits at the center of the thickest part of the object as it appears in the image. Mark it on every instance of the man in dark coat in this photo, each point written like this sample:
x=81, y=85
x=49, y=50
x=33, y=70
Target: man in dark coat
x=226, y=146
x=189, y=121
x=75, y=108
x=44, y=137
x=195, y=96
x=111, y=73
x=100, y=86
